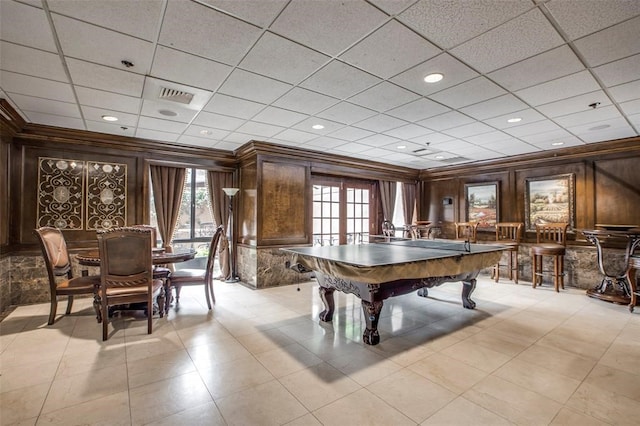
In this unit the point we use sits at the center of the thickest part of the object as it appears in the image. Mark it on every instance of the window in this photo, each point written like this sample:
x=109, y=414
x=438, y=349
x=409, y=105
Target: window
x=341, y=213
x=195, y=225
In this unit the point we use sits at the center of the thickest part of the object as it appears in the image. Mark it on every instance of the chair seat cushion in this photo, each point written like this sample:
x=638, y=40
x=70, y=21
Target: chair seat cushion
x=78, y=284
x=137, y=290
x=185, y=275
x=548, y=249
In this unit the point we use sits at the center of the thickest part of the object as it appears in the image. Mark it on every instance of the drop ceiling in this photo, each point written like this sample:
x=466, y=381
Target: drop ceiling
x=220, y=73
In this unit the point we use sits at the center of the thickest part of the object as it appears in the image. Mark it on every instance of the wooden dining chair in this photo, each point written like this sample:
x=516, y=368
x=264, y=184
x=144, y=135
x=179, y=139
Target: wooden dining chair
x=508, y=234
x=61, y=279
x=467, y=231
x=126, y=272
x=204, y=277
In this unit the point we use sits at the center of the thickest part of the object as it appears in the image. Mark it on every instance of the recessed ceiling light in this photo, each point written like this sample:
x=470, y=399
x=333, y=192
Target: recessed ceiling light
x=557, y=143
x=439, y=157
x=402, y=146
x=167, y=112
x=317, y=126
x=109, y=118
x=433, y=78
x=205, y=132
x=514, y=120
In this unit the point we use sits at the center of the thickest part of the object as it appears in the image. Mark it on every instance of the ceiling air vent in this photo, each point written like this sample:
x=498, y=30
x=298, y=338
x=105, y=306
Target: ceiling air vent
x=453, y=160
x=421, y=151
x=173, y=95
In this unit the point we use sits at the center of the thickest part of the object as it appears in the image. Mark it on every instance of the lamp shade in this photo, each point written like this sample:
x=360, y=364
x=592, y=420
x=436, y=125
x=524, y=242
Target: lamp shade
x=231, y=191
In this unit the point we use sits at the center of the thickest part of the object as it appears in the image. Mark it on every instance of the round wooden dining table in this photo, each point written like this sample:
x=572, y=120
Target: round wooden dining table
x=159, y=257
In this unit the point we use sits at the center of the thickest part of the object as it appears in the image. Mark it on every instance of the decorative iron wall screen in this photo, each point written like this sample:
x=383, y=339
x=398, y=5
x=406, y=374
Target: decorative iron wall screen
x=78, y=195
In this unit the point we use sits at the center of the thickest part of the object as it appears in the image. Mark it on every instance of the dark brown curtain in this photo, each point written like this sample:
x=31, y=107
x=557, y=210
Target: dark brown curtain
x=168, y=186
x=409, y=191
x=388, y=191
x=220, y=209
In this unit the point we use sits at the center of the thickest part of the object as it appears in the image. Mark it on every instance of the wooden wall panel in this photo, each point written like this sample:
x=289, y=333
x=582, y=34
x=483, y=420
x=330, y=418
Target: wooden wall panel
x=617, y=191
x=283, y=201
x=248, y=205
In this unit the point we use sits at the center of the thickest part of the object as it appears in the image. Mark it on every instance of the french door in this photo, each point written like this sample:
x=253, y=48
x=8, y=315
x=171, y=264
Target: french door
x=342, y=212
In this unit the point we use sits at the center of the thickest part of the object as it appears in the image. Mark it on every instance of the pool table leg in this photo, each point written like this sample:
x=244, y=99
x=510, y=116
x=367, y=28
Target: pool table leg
x=467, y=288
x=326, y=295
x=371, y=317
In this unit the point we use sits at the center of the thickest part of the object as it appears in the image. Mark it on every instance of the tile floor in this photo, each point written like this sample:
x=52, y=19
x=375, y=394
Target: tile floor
x=524, y=356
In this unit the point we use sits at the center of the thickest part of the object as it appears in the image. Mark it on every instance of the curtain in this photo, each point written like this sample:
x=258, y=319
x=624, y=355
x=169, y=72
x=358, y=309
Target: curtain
x=168, y=185
x=220, y=209
x=408, y=201
x=388, y=198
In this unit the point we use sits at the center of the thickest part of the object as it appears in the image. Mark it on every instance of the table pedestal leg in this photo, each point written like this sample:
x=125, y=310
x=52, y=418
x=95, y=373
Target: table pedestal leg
x=326, y=295
x=467, y=288
x=371, y=317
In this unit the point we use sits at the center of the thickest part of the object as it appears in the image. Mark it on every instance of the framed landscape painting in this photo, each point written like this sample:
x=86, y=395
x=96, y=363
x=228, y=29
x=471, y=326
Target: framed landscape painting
x=482, y=203
x=550, y=200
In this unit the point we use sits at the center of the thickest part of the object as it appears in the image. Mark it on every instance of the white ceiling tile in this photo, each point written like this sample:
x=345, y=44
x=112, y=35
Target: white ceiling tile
x=98, y=45
x=329, y=27
x=339, y=80
x=297, y=136
x=323, y=143
x=152, y=109
x=468, y=93
x=380, y=123
x=562, y=88
x=210, y=33
x=108, y=100
x=468, y=130
x=161, y=125
x=351, y=133
x=136, y=18
x=611, y=44
x=488, y=138
x=206, y=133
x=156, y=135
x=329, y=126
x=626, y=92
x=254, y=87
x=239, y=139
x=281, y=142
x=34, y=62
x=431, y=138
x=235, y=107
x=619, y=72
x=279, y=116
x=608, y=122
x=409, y=148
x=104, y=78
x=217, y=121
x=547, y=138
x=352, y=147
x=408, y=131
x=546, y=66
x=258, y=12
x=533, y=128
x=95, y=114
x=574, y=104
x=618, y=130
x=347, y=113
x=46, y=106
x=527, y=115
x=392, y=7
x=579, y=18
x=446, y=121
x=559, y=143
x=177, y=66
x=494, y=107
x=55, y=120
x=469, y=18
x=383, y=97
x=379, y=53
x=635, y=120
x=277, y=57
x=260, y=129
x=196, y=141
x=418, y=110
x=454, y=72
x=514, y=147
x=378, y=140
x=520, y=38
x=230, y=145
x=32, y=86
x=26, y=25
x=304, y=101
x=631, y=107
x=113, y=129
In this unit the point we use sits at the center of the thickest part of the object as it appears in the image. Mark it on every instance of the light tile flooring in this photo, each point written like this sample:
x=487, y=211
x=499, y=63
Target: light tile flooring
x=524, y=356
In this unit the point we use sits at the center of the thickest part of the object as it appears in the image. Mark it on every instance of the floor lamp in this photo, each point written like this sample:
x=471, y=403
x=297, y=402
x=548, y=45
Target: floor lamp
x=231, y=192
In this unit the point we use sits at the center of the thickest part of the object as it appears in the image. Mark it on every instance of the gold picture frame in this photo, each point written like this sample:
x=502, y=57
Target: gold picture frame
x=550, y=200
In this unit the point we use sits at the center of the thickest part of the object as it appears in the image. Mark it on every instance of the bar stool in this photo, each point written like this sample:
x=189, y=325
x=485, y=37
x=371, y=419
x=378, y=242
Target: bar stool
x=634, y=266
x=467, y=231
x=551, y=241
x=508, y=234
